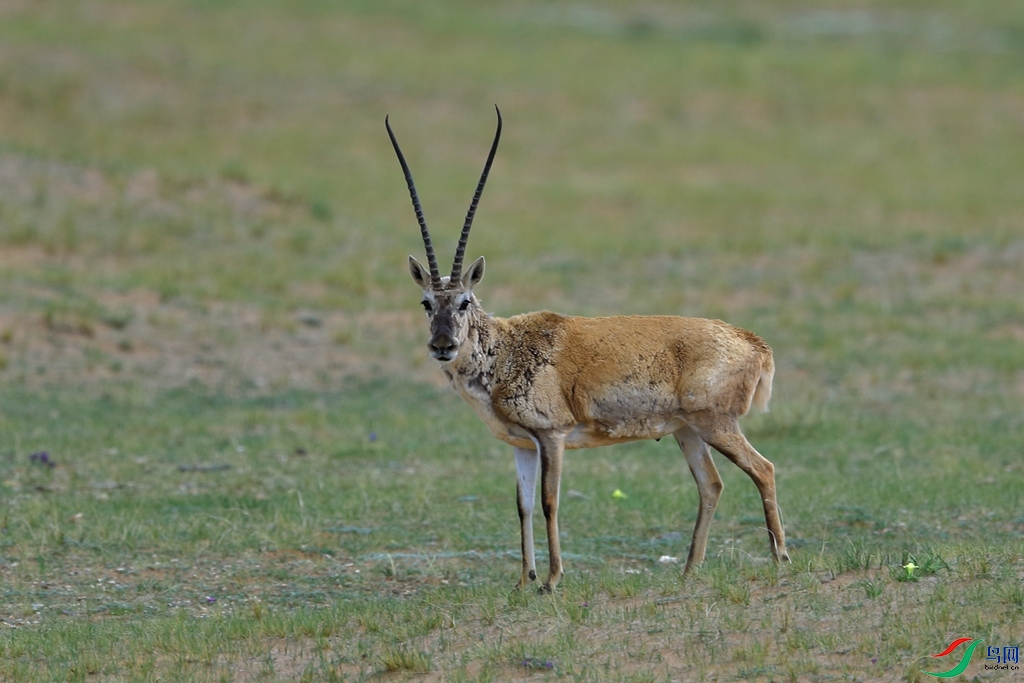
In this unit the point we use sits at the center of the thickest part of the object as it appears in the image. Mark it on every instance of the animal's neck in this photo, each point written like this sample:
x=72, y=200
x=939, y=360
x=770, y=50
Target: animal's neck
x=476, y=359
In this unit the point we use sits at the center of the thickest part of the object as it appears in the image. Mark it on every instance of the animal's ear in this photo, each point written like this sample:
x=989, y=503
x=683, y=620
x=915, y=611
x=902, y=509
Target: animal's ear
x=419, y=273
x=472, y=277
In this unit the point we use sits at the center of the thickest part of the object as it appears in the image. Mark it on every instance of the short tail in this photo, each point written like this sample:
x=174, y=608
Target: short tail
x=763, y=390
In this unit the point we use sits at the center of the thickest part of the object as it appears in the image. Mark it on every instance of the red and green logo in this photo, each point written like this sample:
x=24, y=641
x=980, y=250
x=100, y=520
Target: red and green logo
x=964, y=661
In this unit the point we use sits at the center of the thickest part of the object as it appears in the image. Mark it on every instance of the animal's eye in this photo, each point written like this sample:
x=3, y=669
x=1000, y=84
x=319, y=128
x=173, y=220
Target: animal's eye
x=464, y=305
x=426, y=305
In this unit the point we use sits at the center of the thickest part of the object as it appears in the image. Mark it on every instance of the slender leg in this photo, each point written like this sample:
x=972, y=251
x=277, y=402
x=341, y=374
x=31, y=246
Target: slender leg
x=709, y=486
x=526, y=492
x=727, y=438
x=551, y=449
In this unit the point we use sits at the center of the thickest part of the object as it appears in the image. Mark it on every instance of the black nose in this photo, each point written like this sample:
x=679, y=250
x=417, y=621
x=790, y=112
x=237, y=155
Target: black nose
x=443, y=346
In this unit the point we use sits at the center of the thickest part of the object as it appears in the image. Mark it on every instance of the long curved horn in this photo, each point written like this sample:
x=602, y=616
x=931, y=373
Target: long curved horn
x=435, y=274
x=460, y=252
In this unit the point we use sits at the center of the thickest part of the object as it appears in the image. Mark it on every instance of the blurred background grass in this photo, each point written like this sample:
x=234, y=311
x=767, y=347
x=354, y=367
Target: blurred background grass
x=203, y=234
x=844, y=179
x=681, y=134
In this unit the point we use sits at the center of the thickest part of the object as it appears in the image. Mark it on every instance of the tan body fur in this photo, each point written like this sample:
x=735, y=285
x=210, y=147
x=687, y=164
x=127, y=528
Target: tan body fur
x=601, y=381
x=544, y=382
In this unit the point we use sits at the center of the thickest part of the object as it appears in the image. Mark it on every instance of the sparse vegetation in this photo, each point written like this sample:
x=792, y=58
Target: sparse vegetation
x=225, y=455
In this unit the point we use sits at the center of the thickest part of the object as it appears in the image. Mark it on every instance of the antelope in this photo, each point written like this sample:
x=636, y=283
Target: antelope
x=544, y=382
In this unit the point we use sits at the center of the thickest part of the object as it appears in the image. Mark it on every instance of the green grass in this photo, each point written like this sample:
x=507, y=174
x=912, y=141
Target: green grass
x=207, y=326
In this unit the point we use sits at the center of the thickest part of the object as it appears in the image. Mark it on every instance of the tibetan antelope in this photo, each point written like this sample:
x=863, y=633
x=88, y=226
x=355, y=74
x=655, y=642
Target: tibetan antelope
x=543, y=382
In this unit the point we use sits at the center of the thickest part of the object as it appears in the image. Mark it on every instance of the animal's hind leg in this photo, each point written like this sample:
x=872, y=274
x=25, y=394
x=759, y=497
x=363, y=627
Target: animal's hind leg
x=709, y=486
x=725, y=435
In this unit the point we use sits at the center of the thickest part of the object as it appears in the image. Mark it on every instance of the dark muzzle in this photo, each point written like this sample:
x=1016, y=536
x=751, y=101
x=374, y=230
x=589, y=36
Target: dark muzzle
x=443, y=347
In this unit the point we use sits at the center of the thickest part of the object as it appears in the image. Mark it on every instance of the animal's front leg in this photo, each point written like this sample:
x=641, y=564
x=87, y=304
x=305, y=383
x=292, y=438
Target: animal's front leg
x=526, y=491
x=551, y=449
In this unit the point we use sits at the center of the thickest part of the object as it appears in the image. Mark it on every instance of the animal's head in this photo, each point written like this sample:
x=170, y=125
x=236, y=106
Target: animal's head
x=448, y=301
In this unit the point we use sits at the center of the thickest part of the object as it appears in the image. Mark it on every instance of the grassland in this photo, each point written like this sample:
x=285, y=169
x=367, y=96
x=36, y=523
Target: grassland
x=224, y=455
